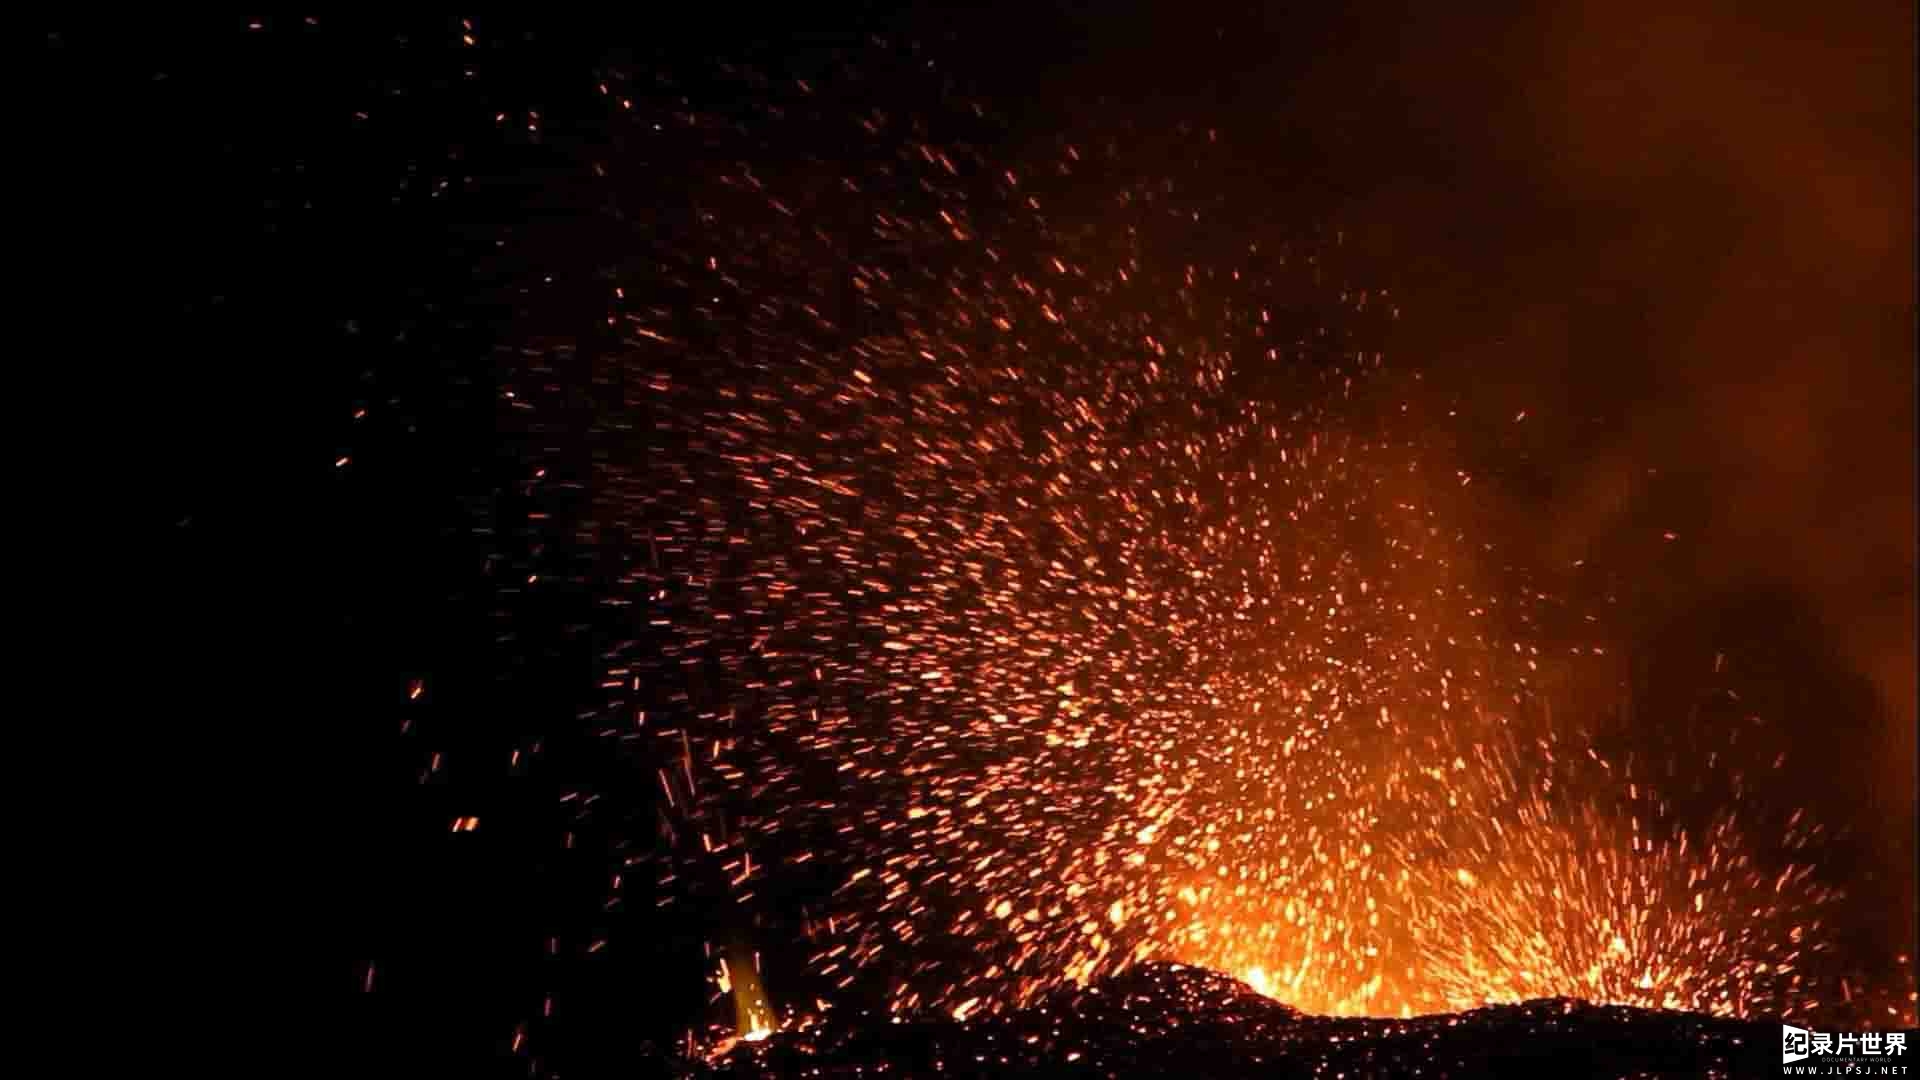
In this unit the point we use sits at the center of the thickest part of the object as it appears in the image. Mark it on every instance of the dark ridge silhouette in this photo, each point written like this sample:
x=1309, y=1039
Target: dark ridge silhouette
x=1169, y=1020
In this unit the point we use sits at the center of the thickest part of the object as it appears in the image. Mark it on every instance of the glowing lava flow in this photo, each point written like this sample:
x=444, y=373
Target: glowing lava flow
x=1514, y=901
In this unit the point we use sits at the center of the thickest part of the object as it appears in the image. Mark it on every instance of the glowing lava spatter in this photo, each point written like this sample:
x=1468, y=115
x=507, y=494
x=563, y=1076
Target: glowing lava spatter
x=1081, y=602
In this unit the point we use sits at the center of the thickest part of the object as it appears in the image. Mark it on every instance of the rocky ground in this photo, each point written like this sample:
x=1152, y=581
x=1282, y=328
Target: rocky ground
x=1174, y=1021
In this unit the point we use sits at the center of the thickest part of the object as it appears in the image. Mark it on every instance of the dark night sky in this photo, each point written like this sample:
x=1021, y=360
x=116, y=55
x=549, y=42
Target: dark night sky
x=1683, y=243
